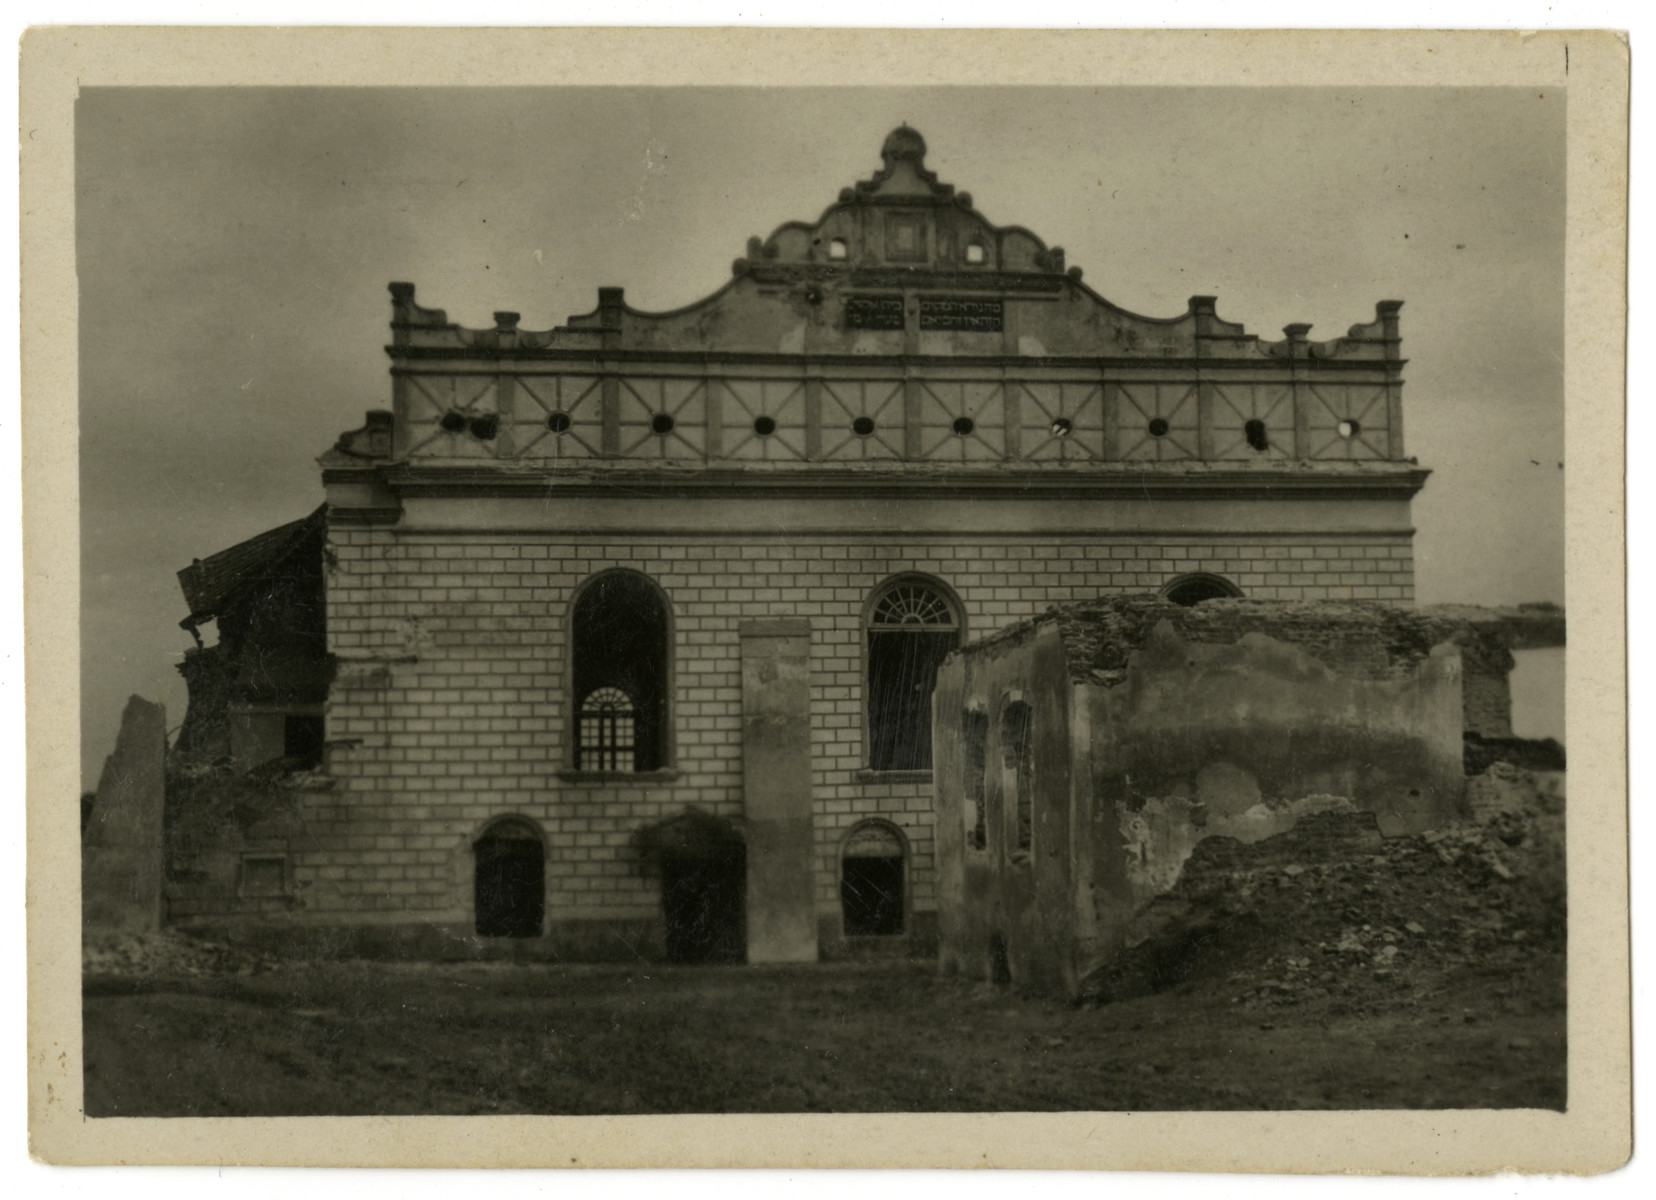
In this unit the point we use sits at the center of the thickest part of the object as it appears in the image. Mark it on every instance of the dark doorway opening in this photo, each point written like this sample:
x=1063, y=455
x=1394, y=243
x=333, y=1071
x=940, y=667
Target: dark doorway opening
x=871, y=881
x=302, y=738
x=871, y=895
x=511, y=882
x=1000, y=962
x=705, y=901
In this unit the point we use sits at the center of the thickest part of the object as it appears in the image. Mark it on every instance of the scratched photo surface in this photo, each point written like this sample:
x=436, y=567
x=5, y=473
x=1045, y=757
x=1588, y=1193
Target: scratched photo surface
x=625, y=600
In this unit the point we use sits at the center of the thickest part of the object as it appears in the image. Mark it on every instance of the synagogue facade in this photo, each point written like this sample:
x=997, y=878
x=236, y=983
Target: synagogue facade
x=620, y=637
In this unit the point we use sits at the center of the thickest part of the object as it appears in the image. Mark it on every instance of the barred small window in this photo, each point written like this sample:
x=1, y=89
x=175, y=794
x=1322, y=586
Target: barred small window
x=606, y=741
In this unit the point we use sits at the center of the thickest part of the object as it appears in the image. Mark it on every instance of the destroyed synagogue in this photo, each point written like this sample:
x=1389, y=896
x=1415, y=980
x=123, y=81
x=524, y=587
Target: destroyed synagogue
x=902, y=597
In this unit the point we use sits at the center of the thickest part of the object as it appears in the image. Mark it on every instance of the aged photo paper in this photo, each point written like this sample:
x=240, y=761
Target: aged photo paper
x=865, y=628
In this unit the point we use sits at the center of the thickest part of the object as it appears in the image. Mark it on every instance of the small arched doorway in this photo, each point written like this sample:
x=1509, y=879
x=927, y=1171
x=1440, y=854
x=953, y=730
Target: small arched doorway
x=702, y=862
x=704, y=899
x=871, y=881
x=510, y=899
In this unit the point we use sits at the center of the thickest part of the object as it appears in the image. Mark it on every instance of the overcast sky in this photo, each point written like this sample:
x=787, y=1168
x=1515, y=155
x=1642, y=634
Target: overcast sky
x=234, y=247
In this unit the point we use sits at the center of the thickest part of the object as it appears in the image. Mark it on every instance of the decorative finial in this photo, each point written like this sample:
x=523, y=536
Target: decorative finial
x=902, y=143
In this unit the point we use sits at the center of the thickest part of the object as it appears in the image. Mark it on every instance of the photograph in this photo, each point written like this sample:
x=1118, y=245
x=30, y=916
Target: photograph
x=726, y=599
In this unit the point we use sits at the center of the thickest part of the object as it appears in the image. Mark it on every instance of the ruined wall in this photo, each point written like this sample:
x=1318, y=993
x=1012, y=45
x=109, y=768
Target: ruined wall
x=210, y=679
x=1243, y=741
x=1184, y=725
x=228, y=836
x=1002, y=907
x=1363, y=640
x=1261, y=715
x=271, y=658
x=121, y=865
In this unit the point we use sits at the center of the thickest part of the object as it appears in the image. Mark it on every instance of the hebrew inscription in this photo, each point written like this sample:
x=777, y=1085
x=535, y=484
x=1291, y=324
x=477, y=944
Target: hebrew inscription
x=972, y=316
x=874, y=312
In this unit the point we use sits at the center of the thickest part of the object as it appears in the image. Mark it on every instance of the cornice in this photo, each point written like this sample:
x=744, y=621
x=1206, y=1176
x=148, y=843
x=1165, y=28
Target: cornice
x=615, y=358
x=1399, y=482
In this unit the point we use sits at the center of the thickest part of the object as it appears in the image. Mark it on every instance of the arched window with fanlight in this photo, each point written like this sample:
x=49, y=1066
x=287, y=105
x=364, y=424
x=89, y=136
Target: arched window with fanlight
x=913, y=624
x=620, y=653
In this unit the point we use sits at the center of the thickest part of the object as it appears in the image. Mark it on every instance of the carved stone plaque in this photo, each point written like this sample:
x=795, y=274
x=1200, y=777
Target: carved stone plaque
x=874, y=312
x=972, y=316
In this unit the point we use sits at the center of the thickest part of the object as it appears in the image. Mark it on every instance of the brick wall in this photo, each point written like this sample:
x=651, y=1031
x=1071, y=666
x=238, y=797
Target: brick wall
x=450, y=707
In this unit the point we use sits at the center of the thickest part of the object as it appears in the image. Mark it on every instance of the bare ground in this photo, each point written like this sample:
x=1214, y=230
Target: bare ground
x=362, y=1038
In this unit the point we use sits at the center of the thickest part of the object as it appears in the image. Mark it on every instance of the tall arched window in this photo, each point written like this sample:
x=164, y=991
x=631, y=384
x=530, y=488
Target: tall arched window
x=912, y=626
x=620, y=650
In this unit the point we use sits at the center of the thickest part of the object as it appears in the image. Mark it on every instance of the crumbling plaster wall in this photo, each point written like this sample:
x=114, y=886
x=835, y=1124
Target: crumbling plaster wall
x=1180, y=726
x=1001, y=900
x=1243, y=741
x=1360, y=639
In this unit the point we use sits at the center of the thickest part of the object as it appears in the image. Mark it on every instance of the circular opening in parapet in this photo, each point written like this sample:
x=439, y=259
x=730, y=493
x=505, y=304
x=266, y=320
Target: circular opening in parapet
x=1062, y=428
x=964, y=426
x=1254, y=431
x=862, y=426
x=764, y=426
x=1158, y=427
x=558, y=422
x=484, y=428
x=454, y=422
x=1350, y=428
x=661, y=423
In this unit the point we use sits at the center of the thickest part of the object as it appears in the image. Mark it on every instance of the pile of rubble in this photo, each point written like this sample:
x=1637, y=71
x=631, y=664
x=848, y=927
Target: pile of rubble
x=1330, y=908
x=105, y=953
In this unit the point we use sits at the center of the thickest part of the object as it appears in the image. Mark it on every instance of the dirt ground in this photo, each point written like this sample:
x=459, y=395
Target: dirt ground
x=372, y=1038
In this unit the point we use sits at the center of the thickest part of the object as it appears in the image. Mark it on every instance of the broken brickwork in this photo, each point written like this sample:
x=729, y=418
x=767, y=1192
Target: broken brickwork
x=252, y=735
x=121, y=859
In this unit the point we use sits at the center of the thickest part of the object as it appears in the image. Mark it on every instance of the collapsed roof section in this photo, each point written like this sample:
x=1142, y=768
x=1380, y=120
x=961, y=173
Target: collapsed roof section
x=218, y=583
